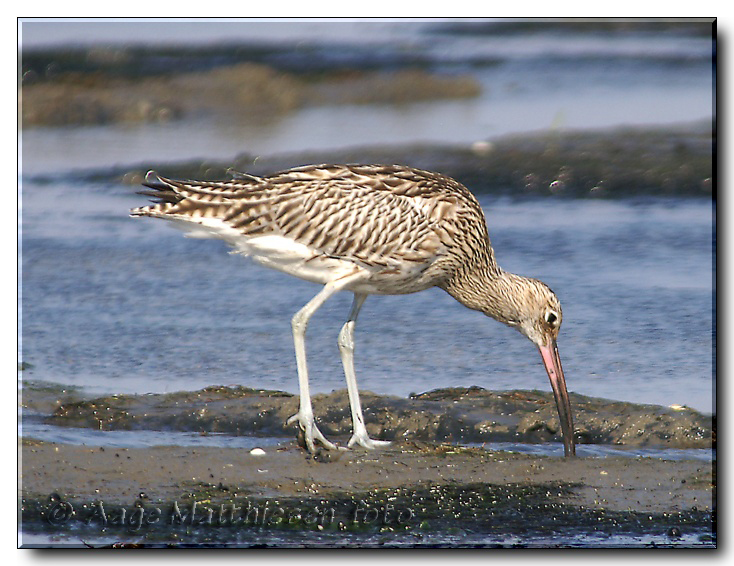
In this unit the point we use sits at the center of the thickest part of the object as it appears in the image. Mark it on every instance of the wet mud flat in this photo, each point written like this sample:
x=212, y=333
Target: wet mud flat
x=409, y=494
x=414, y=493
x=604, y=163
x=104, y=92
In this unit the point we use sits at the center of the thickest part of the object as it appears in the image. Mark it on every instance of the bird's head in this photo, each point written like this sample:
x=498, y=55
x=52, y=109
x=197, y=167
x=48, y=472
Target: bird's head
x=534, y=309
x=539, y=315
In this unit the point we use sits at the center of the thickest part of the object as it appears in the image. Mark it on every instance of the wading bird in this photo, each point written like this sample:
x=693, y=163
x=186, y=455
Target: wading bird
x=371, y=230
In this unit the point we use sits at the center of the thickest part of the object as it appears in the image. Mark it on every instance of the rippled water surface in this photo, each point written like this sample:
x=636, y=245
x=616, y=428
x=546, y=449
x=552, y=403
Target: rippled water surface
x=123, y=305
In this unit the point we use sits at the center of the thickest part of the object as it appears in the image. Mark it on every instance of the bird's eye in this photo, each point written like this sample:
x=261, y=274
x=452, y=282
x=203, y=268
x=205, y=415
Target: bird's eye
x=551, y=318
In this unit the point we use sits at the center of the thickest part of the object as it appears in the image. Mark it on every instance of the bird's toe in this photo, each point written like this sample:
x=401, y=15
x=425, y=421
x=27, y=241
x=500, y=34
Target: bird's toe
x=365, y=441
x=309, y=434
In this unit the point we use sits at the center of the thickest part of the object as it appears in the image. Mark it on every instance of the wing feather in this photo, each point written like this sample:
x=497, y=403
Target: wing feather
x=371, y=214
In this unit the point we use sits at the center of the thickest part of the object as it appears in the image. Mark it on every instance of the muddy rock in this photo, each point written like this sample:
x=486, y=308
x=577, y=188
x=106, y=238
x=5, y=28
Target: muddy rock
x=465, y=415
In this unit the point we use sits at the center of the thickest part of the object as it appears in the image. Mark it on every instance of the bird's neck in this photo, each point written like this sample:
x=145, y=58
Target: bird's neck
x=489, y=290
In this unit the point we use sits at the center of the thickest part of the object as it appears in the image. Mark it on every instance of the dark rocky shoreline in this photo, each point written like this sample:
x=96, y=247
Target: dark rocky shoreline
x=464, y=415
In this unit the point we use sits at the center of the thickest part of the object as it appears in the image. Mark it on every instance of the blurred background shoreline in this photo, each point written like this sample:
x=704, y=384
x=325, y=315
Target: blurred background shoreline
x=133, y=90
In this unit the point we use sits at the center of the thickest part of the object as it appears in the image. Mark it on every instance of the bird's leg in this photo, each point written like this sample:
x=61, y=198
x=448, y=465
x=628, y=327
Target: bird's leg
x=304, y=416
x=346, y=348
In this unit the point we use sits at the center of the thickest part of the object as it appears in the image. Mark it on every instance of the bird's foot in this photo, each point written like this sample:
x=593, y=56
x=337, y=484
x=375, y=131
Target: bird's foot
x=311, y=433
x=362, y=439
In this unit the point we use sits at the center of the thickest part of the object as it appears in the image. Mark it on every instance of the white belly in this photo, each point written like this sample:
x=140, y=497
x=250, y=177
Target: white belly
x=294, y=258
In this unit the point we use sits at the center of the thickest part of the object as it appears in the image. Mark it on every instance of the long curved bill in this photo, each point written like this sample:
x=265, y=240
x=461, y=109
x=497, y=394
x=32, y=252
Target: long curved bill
x=552, y=362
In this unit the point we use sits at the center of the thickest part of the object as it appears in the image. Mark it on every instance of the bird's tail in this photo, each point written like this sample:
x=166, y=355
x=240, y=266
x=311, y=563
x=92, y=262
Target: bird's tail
x=164, y=193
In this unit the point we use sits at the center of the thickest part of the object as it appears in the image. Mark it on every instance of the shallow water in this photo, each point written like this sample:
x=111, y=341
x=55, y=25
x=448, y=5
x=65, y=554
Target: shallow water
x=121, y=305
x=34, y=427
x=695, y=539
x=255, y=538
